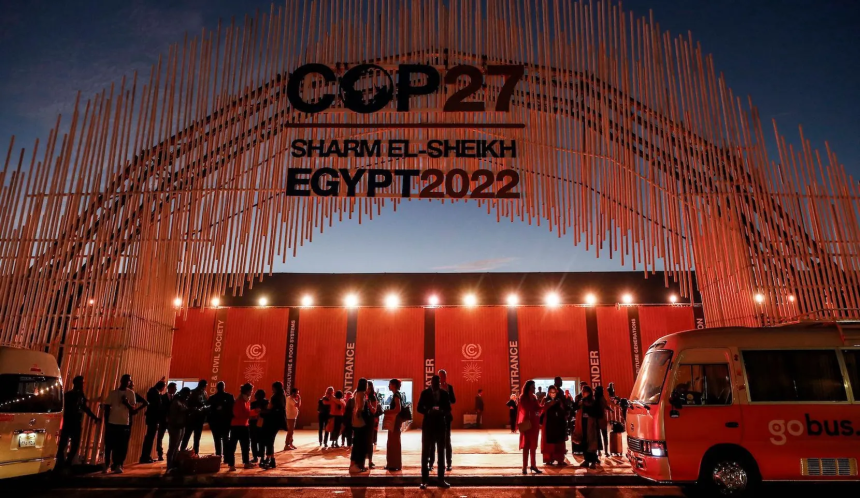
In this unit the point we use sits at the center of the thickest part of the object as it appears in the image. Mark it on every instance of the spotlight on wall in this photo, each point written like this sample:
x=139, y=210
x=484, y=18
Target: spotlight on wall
x=433, y=300
x=351, y=301
x=263, y=301
x=216, y=302
x=470, y=300
x=759, y=298
x=177, y=302
x=513, y=300
x=627, y=298
x=673, y=299
x=552, y=299
x=392, y=301
x=307, y=300
x=590, y=299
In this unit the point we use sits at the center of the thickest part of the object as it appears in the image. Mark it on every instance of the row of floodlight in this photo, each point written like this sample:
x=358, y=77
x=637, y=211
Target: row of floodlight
x=393, y=300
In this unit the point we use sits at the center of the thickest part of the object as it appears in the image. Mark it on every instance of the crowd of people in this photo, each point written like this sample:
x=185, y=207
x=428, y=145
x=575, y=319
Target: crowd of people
x=348, y=419
x=554, y=417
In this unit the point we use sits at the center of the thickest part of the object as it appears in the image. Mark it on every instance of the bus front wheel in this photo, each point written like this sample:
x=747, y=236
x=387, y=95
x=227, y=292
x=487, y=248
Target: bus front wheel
x=728, y=473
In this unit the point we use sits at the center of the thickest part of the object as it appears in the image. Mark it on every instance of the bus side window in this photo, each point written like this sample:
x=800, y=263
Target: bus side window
x=794, y=375
x=703, y=385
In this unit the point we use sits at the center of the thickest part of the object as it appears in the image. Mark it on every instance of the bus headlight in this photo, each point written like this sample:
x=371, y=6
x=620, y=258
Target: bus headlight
x=654, y=448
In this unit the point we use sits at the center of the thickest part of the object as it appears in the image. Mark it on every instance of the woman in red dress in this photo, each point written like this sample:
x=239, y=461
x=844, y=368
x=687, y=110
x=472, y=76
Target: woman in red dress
x=528, y=422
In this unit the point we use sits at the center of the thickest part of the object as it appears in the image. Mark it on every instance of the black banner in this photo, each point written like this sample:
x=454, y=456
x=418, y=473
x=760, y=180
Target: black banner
x=699, y=316
x=513, y=350
x=593, y=347
x=220, y=333
x=349, y=359
x=292, y=349
x=635, y=338
x=429, y=345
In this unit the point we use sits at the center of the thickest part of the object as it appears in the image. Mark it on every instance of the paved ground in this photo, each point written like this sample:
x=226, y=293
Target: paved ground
x=483, y=492
x=476, y=453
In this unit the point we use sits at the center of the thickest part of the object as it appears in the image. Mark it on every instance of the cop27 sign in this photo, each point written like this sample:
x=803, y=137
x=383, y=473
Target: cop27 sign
x=352, y=92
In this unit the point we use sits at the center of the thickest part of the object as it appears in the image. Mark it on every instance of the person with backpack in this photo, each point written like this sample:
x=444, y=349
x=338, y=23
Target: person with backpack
x=274, y=420
x=333, y=427
x=359, y=417
x=255, y=426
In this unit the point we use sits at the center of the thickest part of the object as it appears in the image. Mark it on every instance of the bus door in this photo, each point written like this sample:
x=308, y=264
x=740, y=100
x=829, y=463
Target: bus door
x=702, y=410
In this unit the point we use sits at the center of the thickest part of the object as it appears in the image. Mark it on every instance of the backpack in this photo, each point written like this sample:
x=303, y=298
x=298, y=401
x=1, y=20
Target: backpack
x=405, y=410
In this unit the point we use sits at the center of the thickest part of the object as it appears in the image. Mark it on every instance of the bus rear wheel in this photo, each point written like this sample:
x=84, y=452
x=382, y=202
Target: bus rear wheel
x=728, y=474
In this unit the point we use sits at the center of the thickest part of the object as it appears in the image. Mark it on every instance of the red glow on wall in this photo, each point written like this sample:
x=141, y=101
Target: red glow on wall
x=319, y=363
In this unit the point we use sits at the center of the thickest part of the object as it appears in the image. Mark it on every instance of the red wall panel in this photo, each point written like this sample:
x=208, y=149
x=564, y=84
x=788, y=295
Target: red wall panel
x=191, y=356
x=658, y=321
x=553, y=342
x=255, y=342
x=389, y=344
x=616, y=360
x=319, y=361
x=460, y=334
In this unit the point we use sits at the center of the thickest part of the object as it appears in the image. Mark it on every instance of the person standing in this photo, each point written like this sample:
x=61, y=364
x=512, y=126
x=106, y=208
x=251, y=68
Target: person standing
x=375, y=412
x=393, y=458
x=577, y=447
x=512, y=412
x=554, y=436
x=586, y=429
x=479, y=408
x=255, y=426
x=359, y=417
x=239, y=429
x=346, y=439
x=540, y=394
x=294, y=402
x=154, y=417
x=445, y=386
x=274, y=420
x=119, y=409
x=323, y=414
x=198, y=404
x=74, y=408
x=528, y=422
x=601, y=410
x=220, y=413
x=338, y=408
x=177, y=420
x=435, y=405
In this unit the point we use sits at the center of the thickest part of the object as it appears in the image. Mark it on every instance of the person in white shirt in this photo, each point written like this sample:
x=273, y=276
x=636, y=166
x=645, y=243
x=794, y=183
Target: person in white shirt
x=120, y=407
x=294, y=402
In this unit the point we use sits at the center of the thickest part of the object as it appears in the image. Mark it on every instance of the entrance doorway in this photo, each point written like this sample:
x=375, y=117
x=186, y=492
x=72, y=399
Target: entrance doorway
x=384, y=395
x=568, y=384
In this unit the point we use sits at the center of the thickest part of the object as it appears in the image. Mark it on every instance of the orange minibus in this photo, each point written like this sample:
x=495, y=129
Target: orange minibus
x=728, y=408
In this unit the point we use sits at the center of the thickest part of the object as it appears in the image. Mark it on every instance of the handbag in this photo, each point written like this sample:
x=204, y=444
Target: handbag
x=525, y=425
x=388, y=421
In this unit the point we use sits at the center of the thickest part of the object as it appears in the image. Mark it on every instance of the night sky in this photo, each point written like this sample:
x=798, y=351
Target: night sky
x=797, y=59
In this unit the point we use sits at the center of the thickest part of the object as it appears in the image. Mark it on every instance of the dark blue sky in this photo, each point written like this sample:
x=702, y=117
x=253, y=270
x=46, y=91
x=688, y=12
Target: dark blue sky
x=797, y=59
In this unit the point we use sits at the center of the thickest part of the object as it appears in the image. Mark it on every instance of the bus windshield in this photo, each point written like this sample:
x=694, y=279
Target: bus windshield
x=649, y=383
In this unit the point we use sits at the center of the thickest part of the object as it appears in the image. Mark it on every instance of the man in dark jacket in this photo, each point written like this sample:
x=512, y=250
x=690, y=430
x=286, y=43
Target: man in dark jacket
x=449, y=450
x=435, y=405
x=74, y=408
x=220, y=415
x=479, y=408
x=154, y=415
x=198, y=407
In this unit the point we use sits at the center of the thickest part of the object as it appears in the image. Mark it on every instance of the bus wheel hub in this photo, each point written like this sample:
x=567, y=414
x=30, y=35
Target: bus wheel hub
x=730, y=477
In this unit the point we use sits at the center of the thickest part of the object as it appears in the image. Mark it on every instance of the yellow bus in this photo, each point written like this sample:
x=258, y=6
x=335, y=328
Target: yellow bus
x=31, y=411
